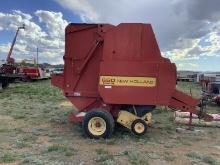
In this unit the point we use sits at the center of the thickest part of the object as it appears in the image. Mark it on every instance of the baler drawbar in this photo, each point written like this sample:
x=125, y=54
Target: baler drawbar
x=117, y=74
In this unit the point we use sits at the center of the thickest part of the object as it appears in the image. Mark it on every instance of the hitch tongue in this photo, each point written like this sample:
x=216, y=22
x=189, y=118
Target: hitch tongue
x=185, y=103
x=203, y=115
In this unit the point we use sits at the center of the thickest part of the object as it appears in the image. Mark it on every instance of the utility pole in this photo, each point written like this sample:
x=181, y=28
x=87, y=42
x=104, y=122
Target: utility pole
x=37, y=56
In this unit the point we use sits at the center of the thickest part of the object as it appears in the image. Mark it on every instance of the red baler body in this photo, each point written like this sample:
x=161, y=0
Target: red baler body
x=106, y=66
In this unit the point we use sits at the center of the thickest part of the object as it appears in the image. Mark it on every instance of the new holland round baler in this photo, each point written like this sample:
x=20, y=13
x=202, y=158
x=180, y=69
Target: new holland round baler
x=117, y=74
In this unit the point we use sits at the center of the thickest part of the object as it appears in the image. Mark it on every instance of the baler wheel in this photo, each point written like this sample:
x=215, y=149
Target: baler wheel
x=138, y=127
x=98, y=124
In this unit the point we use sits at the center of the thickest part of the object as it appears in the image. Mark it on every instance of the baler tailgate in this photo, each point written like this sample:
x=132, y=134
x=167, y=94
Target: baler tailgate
x=185, y=103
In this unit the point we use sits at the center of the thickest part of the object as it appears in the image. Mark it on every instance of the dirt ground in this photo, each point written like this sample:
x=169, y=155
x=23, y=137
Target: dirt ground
x=34, y=130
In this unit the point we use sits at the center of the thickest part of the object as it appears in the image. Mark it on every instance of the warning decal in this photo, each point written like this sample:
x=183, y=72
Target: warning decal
x=128, y=81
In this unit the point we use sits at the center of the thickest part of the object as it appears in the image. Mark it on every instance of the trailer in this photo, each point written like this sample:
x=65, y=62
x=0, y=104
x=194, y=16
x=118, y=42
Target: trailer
x=4, y=81
x=216, y=99
x=117, y=74
x=33, y=73
x=8, y=74
x=9, y=71
x=187, y=76
x=211, y=87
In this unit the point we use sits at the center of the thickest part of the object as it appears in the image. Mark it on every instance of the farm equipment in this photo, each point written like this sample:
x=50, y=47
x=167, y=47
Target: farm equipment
x=9, y=71
x=216, y=99
x=210, y=88
x=31, y=73
x=117, y=74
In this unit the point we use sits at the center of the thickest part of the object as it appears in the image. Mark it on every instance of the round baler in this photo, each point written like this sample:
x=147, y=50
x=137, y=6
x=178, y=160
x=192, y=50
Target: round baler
x=117, y=74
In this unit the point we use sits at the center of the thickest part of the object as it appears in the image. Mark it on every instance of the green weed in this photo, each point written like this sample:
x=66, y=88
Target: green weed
x=136, y=158
x=63, y=149
x=202, y=158
x=7, y=158
x=103, y=156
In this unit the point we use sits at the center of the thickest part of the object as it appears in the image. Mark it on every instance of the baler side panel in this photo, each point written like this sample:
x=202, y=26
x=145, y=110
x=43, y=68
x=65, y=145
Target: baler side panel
x=131, y=42
x=81, y=88
x=131, y=50
x=129, y=94
x=166, y=82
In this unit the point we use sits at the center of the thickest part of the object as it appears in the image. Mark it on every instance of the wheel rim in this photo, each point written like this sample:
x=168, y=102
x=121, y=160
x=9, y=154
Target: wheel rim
x=139, y=127
x=97, y=126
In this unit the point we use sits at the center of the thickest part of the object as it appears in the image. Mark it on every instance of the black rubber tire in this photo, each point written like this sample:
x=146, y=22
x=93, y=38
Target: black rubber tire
x=27, y=79
x=5, y=84
x=110, y=123
x=218, y=102
x=1, y=86
x=133, y=127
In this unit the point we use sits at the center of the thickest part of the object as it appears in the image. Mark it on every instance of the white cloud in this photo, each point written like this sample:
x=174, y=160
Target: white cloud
x=213, y=49
x=50, y=39
x=83, y=8
x=185, y=29
x=182, y=54
x=179, y=25
x=23, y=15
x=4, y=49
x=55, y=24
x=187, y=66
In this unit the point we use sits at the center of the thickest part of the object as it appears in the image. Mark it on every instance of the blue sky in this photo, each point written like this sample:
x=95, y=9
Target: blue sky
x=188, y=32
x=31, y=6
x=27, y=7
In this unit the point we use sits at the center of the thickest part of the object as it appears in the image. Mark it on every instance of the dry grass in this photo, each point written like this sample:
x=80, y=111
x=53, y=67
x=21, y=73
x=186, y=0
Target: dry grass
x=34, y=130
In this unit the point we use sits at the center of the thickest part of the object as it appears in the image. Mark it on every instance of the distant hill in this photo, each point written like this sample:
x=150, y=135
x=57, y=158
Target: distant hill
x=183, y=73
x=44, y=65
